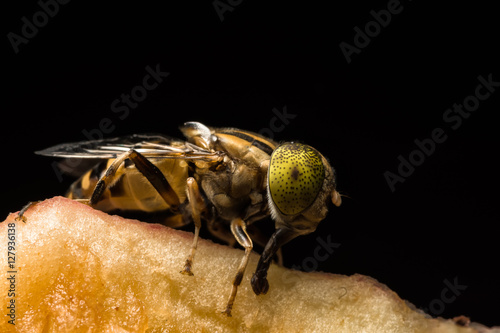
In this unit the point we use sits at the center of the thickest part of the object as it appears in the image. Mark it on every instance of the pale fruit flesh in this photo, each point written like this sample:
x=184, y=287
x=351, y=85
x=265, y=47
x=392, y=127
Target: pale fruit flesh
x=81, y=270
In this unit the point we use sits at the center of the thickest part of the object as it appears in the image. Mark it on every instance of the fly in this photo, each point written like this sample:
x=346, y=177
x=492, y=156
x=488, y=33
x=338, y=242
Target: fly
x=224, y=176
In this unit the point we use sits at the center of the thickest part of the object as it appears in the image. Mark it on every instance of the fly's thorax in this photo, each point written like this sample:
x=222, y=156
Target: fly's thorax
x=234, y=188
x=249, y=147
x=237, y=187
x=300, y=184
x=246, y=156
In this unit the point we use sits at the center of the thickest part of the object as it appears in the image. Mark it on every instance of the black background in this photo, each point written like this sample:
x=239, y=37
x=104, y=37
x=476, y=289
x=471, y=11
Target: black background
x=440, y=224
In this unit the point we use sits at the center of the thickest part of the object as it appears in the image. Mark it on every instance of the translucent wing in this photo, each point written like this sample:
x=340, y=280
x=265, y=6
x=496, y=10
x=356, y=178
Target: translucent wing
x=149, y=145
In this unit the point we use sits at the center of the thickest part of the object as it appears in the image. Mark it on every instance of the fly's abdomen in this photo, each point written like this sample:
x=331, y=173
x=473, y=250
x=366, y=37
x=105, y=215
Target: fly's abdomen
x=129, y=190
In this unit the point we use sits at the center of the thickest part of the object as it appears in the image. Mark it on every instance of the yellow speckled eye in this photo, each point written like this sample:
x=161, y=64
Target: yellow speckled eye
x=296, y=175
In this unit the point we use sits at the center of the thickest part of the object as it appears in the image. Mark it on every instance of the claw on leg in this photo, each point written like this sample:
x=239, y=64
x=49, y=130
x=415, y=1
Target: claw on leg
x=227, y=311
x=187, y=268
x=281, y=236
x=189, y=260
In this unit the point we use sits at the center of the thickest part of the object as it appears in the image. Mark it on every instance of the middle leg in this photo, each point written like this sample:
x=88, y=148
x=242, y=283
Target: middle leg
x=238, y=228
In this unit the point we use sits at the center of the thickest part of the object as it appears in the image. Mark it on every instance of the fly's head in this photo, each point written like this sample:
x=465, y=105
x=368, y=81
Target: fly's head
x=300, y=183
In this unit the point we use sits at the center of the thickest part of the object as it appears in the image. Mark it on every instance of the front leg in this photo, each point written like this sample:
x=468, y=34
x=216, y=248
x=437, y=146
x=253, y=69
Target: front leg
x=259, y=279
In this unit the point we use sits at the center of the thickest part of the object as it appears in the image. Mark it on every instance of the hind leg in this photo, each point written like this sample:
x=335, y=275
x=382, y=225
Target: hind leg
x=198, y=207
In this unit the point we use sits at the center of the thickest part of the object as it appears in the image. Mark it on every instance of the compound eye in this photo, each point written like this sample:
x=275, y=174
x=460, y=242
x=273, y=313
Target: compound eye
x=296, y=175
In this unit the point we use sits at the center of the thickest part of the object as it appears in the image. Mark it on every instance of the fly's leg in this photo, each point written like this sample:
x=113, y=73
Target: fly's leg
x=20, y=215
x=30, y=204
x=260, y=238
x=147, y=169
x=217, y=229
x=197, y=208
x=238, y=228
x=83, y=201
x=281, y=236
